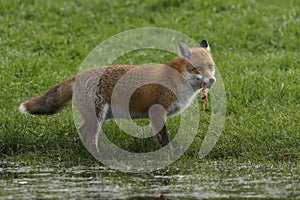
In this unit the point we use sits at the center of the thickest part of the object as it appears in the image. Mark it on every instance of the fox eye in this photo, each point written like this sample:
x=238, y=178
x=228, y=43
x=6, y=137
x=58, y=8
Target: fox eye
x=200, y=68
x=210, y=67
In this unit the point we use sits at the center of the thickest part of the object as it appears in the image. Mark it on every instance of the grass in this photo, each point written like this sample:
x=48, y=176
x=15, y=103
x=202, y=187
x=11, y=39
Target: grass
x=255, y=45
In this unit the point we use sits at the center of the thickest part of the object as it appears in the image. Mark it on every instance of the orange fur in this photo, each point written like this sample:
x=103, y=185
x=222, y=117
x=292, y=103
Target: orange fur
x=194, y=65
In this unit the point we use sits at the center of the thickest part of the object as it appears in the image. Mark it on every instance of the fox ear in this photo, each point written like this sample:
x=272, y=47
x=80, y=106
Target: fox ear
x=204, y=44
x=183, y=50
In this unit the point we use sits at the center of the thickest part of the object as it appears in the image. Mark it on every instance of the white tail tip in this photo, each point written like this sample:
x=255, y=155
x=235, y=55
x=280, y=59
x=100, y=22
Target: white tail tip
x=23, y=109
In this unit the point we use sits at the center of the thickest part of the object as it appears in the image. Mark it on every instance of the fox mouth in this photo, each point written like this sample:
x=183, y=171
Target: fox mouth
x=206, y=82
x=202, y=85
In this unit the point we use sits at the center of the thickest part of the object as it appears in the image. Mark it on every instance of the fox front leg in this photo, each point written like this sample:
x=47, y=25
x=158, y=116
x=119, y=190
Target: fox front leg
x=157, y=114
x=163, y=136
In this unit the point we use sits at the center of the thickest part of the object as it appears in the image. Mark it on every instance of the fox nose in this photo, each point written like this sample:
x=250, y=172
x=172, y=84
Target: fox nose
x=212, y=80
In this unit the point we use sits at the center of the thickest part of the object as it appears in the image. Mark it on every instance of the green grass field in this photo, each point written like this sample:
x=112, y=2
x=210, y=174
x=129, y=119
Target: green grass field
x=255, y=45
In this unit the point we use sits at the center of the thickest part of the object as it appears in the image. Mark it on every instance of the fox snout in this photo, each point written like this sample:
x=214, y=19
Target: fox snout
x=211, y=81
x=208, y=81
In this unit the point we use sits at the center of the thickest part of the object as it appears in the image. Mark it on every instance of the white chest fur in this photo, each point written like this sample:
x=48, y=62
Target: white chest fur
x=185, y=98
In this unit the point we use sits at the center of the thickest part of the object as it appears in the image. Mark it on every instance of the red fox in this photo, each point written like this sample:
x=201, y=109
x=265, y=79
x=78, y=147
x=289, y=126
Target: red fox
x=94, y=89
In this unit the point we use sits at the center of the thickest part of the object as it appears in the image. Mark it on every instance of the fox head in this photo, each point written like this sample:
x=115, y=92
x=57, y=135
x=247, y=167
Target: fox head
x=201, y=68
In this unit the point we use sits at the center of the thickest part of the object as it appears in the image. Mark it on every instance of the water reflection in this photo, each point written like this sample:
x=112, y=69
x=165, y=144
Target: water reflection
x=203, y=180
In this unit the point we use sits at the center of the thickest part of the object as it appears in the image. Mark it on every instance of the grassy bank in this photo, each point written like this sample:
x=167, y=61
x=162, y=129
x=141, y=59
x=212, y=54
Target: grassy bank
x=255, y=45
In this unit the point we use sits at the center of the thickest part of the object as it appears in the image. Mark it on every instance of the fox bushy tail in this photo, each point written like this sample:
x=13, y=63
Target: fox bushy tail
x=51, y=101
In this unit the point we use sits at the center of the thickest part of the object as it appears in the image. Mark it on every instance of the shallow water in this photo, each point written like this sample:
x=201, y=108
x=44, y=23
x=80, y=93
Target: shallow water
x=204, y=180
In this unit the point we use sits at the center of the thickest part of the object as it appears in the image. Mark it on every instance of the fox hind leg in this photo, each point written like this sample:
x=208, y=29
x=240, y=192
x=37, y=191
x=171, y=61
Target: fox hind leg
x=91, y=127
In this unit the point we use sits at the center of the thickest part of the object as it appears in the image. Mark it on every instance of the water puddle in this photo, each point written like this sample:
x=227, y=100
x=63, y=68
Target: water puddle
x=204, y=180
